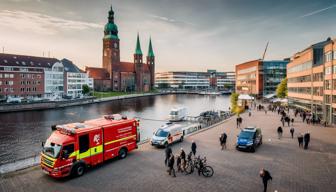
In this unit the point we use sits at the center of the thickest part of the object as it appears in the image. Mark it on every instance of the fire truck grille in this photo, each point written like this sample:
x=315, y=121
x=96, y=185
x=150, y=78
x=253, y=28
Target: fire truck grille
x=47, y=162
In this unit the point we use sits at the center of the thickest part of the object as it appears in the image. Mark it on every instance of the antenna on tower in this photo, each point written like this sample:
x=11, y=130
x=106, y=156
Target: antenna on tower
x=263, y=57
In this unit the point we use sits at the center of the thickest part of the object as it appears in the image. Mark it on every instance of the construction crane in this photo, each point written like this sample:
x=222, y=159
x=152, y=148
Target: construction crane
x=263, y=57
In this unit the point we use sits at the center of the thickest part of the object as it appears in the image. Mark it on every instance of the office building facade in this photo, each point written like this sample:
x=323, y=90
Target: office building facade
x=312, y=80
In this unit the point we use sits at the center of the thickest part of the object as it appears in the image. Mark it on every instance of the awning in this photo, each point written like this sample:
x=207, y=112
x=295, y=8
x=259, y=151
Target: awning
x=269, y=96
x=245, y=97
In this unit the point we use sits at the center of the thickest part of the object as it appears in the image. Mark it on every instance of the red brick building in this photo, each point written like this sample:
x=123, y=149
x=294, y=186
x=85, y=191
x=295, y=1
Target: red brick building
x=23, y=76
x=122, y=76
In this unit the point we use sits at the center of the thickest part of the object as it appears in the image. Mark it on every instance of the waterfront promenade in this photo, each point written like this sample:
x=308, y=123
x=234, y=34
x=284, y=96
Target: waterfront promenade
x=292, y=168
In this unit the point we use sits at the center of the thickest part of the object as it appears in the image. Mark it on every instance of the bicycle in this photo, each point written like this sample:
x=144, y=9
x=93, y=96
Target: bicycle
x=200, y=165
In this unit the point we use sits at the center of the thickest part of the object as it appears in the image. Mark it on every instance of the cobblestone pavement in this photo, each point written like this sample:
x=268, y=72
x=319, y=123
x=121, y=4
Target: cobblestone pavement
x=292, y=168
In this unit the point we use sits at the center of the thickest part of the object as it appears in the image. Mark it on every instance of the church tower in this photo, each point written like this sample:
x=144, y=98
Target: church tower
x=151, y=63
x=111, y=51
x=138, y=67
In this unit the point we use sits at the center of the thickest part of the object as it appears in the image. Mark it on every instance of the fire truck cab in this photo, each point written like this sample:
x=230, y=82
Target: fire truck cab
x=73, y=147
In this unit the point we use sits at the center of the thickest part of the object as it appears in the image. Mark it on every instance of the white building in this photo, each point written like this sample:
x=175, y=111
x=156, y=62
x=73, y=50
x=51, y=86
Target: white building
x=54, y=80
x=195, y=80
x=75, y=79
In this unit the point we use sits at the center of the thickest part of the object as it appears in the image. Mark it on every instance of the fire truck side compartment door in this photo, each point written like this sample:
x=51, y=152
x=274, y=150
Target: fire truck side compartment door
x=96, y=143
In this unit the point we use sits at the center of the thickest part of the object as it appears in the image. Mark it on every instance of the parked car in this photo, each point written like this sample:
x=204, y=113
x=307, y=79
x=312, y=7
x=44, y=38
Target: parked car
x=249, y=139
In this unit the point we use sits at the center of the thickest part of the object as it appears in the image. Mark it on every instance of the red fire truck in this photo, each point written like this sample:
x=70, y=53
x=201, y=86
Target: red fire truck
x=71, y=148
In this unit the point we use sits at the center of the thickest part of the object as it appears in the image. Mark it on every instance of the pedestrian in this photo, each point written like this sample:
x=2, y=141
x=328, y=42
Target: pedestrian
x=283, y=121
x=237, y=122
x=193, y=147
x=168, y=152
x=178, y=164
x=222, y=140
x=287, y=119
x=265, y=111
x=265, y=176
x=279, y=132
x=292, y=132
x=292, y=121
x=300, y=140
x=240, y=120
x=306, y=139
x=250, y=113
x=171, y=163
x=183, y=159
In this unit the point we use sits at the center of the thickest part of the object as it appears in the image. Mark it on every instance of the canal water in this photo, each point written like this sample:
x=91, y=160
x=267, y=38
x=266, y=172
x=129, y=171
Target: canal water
x=21, y=133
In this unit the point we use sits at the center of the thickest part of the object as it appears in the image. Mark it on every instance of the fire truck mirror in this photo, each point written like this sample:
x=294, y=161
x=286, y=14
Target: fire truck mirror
x=53, y=128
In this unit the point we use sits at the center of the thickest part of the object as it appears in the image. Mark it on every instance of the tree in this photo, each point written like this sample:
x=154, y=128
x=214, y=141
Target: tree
x=282, y=89
x=86, y=89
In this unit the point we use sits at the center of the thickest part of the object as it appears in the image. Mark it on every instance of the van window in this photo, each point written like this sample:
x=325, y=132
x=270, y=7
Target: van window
x=161, y=133
x=83, y=143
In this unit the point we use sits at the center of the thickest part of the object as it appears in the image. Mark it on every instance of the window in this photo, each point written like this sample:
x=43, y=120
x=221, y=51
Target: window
x=328, y=56
x=83, y=143
x=328, y=84
x=0, y=82
x=328, y=70
x=68, y=149
x=11, y=75
x=0, y=75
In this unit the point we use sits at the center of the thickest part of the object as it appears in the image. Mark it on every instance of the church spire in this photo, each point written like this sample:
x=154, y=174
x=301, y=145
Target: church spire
x=138, y=47
x=150, y=48
x=111, y=16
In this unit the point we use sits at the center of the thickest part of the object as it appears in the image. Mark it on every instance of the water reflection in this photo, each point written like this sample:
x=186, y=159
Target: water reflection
x=23, y=132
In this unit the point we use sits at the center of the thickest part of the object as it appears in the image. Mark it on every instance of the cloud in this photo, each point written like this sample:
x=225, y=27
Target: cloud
x=41, y=23
x=170, y=20
x=318, y=11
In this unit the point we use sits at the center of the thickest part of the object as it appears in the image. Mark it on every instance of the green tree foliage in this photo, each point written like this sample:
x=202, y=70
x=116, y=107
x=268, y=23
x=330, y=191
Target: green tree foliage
x=282, y=89
x=86, y=89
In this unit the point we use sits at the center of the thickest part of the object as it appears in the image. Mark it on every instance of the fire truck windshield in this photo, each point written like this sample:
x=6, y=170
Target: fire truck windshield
x=51, y=149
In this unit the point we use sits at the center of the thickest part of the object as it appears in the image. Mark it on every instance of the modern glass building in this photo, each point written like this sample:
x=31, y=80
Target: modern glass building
x=273, y=73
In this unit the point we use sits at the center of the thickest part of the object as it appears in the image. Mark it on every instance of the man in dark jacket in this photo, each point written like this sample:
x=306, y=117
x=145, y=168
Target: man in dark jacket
x=306, y=139
x=168, y=152
x=279, y=132
x=266, y=176
x=193, y=147
x=222, y=140
x=171, y=163
x=292, y=132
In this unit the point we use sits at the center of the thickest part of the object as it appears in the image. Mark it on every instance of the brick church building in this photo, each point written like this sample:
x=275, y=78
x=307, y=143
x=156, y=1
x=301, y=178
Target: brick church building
x=116, y=75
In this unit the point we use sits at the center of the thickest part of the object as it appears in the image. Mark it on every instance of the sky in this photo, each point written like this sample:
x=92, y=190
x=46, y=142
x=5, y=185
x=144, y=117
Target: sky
x=188, y=35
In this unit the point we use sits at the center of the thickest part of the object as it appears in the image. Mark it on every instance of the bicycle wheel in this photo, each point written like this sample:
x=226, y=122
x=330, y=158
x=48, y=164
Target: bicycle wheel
x=189, y=168
x=207, y=171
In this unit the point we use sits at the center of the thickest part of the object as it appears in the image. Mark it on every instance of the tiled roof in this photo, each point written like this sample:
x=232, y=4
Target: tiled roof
x=69, y=66
x=97, y=73
x=26, y=61
x=126, y=67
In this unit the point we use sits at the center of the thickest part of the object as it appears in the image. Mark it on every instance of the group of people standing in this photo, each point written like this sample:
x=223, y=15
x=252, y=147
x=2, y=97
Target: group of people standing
x=181, y=159
x=303, y=140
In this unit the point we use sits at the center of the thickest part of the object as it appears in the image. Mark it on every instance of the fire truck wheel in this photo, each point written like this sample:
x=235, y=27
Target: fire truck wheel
x=79, y=169
x=122, y=153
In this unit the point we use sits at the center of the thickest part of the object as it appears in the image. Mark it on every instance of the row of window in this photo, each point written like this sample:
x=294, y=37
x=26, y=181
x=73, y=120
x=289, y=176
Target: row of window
x=11, y=90
x=301, y=90
x=28, y=89
x=7, y=82
x=306, y=78
x=30, y=82
x=300, y=67
x=6, y=75
x=30, y=76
